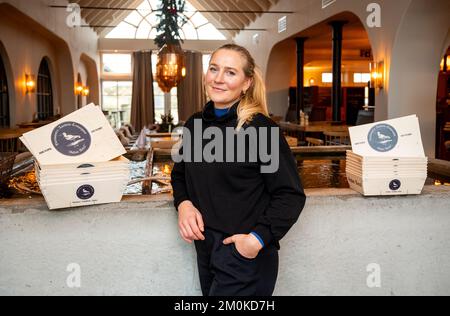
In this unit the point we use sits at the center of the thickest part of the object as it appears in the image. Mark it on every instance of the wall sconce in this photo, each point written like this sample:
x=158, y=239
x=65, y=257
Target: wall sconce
x=30, y=83
x=377, y=74
x=79, y=88
x=445, y=63
x=86, y=91
x=183, y=72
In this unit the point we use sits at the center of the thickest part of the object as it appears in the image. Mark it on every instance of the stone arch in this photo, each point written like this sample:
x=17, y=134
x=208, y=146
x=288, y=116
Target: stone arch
x=67, y=78
x=281, y=66
x=10, y=83
x=415, y=60
x=92, y=79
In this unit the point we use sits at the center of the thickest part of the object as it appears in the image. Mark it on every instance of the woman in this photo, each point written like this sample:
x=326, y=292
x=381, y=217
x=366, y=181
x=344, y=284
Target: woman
x=235, y=213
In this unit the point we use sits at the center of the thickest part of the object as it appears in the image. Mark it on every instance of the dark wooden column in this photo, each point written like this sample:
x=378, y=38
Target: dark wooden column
x=336, y=96
x=300, y=105
x=445, y=63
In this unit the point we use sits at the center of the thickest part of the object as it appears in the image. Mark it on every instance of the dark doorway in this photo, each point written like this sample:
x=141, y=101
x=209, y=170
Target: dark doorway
x=4, y=97
x=44, y=92
x=443, y=110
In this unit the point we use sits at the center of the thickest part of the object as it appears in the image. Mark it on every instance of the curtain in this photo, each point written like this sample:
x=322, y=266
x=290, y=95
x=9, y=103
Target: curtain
x=142, y=102
x=191, y=91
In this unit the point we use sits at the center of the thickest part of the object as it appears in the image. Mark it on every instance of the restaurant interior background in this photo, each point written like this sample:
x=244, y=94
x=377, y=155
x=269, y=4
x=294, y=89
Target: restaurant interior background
x=341, y=62
x=392, y=59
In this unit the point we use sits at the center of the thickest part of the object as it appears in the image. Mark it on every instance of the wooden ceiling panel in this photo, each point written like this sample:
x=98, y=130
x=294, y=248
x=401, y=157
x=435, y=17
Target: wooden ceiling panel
x=223, y=19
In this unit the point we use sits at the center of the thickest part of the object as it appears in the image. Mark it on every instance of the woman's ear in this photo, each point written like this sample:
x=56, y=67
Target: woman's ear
x=247, y=84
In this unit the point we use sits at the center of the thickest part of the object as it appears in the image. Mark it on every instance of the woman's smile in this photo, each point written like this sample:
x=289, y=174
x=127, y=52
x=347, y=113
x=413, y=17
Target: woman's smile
x=219, y=89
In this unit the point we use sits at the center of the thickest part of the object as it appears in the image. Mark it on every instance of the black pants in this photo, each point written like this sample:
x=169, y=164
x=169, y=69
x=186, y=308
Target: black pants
x=224, y=272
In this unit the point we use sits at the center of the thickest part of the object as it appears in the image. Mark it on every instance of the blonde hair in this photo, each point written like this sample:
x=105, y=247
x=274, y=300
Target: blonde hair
x=254, y=100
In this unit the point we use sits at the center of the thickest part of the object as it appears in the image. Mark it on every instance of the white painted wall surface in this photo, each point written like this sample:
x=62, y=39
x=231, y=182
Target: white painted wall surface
x=133, y=248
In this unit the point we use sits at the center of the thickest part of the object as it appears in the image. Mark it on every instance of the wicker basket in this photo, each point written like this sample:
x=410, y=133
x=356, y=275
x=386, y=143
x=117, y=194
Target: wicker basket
x=6, y=165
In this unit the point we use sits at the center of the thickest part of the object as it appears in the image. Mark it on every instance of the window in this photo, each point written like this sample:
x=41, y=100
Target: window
x=327, y=77
x=206, y=60
x=162, y=103
x=116, y=99
x=116, y=64
x=4, y=98
x=117, y=89
x=161, y=99
x=44, y=92
x=361, y=77
x=142, y=23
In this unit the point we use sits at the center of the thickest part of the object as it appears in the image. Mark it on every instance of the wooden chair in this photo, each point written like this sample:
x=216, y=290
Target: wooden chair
x=337, y=138
x=312, y=142
x=127, y=132
x=126, y=142
x=132, y=129
x=447, y=127
x=447, y=146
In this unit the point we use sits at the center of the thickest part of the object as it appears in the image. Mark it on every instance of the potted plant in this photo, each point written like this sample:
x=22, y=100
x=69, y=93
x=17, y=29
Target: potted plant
x=166, y=123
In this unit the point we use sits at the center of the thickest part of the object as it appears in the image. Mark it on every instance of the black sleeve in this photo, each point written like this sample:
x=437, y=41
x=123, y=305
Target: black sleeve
x=287, y=197
x=178, y=179
x=178, y=182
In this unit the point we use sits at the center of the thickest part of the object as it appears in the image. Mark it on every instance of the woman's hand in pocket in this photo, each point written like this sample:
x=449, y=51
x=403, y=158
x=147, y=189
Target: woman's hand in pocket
x=190, y=222
x=247, y=245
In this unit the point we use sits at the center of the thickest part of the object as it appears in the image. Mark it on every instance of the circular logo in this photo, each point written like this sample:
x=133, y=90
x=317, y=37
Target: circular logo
x=383, y=138
x=395, y=185
x=85, y=192
x=71, y=139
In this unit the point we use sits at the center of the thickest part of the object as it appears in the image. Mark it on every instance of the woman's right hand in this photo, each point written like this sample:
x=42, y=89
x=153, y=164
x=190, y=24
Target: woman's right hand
x=190, y=222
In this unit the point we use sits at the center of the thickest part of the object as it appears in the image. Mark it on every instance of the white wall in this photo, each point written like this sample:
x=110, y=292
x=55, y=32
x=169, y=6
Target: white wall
x=30, y=31
x=416, y=56
x=134, y=248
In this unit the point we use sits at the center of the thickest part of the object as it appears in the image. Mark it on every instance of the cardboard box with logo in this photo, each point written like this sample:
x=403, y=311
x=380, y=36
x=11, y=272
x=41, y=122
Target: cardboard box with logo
x=78, y=160
x=387, y=158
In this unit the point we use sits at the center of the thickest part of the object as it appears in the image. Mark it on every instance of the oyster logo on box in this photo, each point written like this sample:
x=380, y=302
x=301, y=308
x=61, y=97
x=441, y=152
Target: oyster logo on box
x=71, y=139
x=383, y=138
x=395, y=185
x=85, y=192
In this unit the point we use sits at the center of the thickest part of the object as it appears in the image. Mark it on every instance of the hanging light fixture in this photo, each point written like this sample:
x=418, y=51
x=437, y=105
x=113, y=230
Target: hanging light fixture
x=170, y=67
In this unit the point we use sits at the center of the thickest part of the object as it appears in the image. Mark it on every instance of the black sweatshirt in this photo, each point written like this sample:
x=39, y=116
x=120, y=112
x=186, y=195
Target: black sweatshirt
x=235, y=197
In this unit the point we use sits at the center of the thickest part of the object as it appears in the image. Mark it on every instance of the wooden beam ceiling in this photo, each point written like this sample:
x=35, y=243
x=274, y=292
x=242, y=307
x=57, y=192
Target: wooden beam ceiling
x=235, y=21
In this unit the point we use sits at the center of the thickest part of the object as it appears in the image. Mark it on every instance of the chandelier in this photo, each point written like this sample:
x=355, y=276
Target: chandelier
x=170, y=67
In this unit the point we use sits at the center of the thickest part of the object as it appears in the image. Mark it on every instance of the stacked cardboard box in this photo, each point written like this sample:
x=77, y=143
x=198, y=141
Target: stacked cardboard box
x=387, y=158
x=78, y=160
